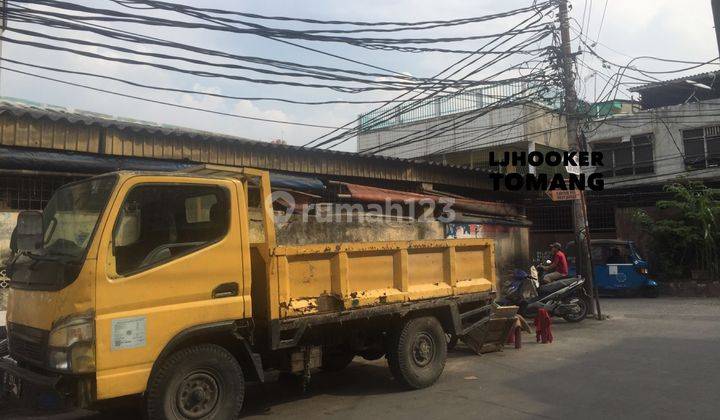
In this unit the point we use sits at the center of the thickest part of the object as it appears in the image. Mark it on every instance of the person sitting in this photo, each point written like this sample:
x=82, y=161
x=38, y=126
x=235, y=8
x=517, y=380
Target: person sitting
x=558, y=268
x=615, y=257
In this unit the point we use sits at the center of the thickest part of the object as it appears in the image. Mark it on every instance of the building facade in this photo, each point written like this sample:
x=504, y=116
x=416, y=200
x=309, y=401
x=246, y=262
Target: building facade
x=462, y=129
x=674, y=135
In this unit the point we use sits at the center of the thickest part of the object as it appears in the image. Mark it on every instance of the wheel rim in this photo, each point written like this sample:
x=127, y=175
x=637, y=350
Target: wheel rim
x=582, y=310
x=423, y=350
x=198, y=395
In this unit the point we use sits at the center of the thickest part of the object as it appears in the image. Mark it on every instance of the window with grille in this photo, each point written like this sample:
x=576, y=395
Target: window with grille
x=29, y=192
x=553, y=218
x=558, y=217
x=601, y=218
x=634, y=157
x=702, y=147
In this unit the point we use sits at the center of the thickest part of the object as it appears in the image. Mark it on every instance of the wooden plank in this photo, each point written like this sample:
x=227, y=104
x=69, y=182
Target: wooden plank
x=83, y=144
x=128, y=146
x=147, y=141
x=8, y=130
x=212, y=153
x=186, y=151
x=195, y=147
x=22, y=130
x=36, y=133
x=71, y=139
x=490, y=265
x=94, y=140
x=59, y=134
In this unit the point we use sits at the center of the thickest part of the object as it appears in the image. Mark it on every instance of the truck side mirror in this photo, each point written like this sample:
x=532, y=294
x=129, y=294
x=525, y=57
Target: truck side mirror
x=28, y=233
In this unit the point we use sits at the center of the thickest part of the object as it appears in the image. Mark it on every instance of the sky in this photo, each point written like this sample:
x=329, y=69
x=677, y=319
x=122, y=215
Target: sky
x=630, y=28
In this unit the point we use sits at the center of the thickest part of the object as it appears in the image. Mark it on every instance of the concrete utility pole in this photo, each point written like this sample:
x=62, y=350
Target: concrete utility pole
x=3, y=22
x=580, y=223
x=716, y=17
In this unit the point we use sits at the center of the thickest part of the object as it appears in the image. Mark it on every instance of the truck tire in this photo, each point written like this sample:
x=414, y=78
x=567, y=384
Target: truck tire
x=203, y=381
x=418, y=352
x=580, y=314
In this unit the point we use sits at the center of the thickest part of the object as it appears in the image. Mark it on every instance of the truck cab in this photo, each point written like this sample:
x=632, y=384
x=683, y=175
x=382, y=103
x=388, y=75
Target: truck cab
x=128, y=261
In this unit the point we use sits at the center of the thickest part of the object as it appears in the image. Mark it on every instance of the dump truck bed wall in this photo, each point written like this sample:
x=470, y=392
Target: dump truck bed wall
x=322, y=278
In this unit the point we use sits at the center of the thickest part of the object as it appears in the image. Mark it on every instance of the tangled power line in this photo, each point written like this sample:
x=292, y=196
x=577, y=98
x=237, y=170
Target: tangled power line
x=516, y=66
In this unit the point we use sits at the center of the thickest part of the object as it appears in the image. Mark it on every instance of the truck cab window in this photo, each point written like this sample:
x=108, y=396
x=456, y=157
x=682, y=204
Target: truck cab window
x=158, y=223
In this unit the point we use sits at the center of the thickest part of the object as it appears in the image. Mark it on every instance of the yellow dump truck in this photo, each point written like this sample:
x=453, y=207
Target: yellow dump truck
x=149, y=284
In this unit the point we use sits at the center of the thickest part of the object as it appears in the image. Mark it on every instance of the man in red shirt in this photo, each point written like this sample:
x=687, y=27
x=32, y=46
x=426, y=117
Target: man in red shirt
x=558, y=268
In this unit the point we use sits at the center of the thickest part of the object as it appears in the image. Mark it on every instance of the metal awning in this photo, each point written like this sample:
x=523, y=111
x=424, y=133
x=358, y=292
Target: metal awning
x=364, y=193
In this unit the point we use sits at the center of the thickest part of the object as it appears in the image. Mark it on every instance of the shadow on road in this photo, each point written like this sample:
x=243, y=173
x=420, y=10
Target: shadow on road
x=360, y=378
x=645, y=377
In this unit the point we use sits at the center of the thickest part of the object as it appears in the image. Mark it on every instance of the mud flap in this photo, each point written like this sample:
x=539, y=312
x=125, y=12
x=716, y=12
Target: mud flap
x=490, y=333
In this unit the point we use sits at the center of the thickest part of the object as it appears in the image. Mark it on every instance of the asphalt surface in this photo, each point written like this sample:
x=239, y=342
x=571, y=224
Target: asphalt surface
x=654, y=358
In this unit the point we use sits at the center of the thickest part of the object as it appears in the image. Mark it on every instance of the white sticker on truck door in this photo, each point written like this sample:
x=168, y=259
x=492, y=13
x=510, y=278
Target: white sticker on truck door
x=128, y=333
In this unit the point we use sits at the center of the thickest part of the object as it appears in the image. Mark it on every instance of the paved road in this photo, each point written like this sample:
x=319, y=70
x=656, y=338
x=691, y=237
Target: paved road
x=652, y=359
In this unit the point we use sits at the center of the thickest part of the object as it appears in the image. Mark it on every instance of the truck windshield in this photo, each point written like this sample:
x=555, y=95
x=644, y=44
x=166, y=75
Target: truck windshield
x=71, y=214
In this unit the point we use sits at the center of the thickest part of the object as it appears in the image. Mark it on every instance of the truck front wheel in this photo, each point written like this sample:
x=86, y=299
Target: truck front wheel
x=198, y=382
x=418, y=352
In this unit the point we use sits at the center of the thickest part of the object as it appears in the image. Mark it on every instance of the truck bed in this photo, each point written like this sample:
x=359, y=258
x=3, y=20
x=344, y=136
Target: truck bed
x=325, y=278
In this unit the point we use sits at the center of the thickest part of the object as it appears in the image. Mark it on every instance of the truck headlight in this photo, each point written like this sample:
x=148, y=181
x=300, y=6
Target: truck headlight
x=71, y=345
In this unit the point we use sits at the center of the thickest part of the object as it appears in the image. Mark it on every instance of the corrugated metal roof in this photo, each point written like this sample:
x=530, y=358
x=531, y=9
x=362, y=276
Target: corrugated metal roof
x=701, y=76
x=23, y=108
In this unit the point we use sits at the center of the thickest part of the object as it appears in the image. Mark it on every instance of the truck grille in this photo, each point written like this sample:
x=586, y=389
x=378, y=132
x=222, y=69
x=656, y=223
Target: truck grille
x=27, y=344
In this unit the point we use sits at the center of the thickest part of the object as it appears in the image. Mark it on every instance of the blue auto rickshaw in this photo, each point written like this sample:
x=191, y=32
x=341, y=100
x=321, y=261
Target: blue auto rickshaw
x=617, y=268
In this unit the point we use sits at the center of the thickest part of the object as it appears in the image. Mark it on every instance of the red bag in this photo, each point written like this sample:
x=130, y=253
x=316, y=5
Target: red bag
x=543, y=327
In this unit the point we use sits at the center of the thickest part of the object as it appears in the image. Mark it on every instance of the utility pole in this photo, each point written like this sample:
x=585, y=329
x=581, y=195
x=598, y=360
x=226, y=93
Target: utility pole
x=3, y=22
x=580, y=223
x=716, y=17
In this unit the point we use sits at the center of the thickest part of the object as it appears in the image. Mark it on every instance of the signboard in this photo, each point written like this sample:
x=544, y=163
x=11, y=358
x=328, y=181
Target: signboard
x=573, y=169
x=474, y=230
x=563, y=195
x=128, y=333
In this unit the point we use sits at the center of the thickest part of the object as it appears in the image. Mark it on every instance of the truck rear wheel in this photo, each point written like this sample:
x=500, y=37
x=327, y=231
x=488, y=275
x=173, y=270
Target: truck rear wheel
x=418, y=352
x=198, y=382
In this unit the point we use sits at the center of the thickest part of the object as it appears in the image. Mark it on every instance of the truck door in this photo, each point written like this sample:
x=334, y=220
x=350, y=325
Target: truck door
x=170, y=259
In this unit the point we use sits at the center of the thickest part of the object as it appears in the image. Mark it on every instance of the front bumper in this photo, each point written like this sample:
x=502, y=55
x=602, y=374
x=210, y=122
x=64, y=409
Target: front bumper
x=27, y=388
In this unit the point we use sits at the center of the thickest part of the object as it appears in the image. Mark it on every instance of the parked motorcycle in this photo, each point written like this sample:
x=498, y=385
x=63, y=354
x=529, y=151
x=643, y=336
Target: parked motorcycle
x=564, y=298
